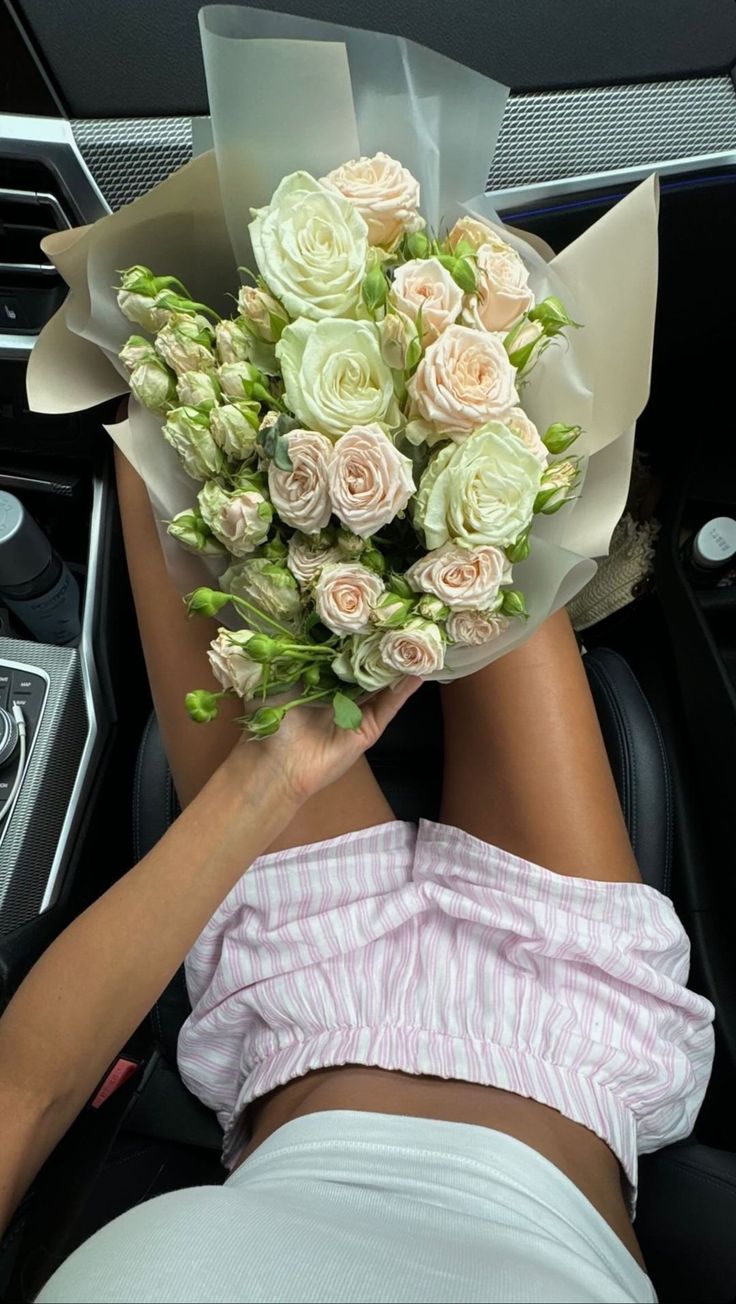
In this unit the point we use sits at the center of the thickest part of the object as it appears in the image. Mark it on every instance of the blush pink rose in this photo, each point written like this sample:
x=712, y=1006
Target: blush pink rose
x=345, y=596
x=503, y=293
x=370, y=481
x=417, y=649
x=472, y=628
x=300, y=496
x=461, y=577
x=385, y=194
x=464, y=379
x=424, y=284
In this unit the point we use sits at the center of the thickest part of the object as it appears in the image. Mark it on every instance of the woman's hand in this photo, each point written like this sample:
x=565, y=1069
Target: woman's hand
x=310, y=751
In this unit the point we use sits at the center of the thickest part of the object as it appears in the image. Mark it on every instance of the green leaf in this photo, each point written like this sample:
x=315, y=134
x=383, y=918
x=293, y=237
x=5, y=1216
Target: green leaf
x=281, y=456
x=347, y=714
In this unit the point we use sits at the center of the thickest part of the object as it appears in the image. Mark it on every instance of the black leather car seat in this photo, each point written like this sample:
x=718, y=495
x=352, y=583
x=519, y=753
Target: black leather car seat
x=687, y=1204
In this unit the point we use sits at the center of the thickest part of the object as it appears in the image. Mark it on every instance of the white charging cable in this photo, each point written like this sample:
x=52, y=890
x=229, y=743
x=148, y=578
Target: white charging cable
x=21, y=723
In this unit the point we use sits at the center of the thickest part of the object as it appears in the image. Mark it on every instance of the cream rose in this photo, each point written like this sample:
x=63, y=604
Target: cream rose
x=230, y=664
x=520, y=424
x=464, y=379
x=344, y=595
x=270, y=587
x=311, y=247
x=479, y=492
x=335, y=376
x=300, y=496
x=361, y=662
x=503, y=293
x=424, y=284
x=240, y=521
x=370, y=481
x=384, y=193
x=307, y=556
x=417, y=649
x=472, y=628
x=461, y=577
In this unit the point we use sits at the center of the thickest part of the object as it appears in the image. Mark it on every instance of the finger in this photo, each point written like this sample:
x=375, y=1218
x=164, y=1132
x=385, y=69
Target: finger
x=386, y=704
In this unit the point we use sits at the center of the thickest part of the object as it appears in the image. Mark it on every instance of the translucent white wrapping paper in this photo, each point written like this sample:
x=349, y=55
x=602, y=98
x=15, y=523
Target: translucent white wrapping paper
x=290, y=93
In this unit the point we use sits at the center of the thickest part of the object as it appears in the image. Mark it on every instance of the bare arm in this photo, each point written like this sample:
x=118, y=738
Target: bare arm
x=77, y=1007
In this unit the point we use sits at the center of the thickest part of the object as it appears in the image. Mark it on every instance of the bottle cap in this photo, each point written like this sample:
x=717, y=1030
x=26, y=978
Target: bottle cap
x=715, y=543
x=24, y=548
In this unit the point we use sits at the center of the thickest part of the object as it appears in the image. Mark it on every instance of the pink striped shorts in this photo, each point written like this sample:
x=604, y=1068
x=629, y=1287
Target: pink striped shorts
x=429, y=951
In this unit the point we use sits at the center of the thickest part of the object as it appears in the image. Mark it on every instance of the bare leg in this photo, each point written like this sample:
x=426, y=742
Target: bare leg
x=525, y=764
x=174, y=647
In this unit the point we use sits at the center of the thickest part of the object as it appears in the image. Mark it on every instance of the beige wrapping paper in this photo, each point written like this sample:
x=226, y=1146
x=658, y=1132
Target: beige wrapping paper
x=288, y=93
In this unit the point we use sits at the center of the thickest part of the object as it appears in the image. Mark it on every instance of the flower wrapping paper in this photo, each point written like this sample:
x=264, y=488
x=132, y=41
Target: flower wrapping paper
x=290, y=93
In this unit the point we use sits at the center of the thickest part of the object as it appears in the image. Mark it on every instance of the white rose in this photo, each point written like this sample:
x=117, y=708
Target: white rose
x=234, y=428
x=311, y=247
x=137, y=350
x=270, y=587
x=464, y=379
x=236, y=378
x=301, y=496
x=197, y=388
x=361, y=662
x=520, y=424
x=185, y=343
x=153, y=384
x=384, y=193
x=307, y=556
x=232, y=343
x=424, y=284
x=239, y=520
x=476, y=234
x=417, y=649
x=471, y=628
x=334, y=375
x=461, y=577
x=344, y=595
x=143, y=309
x=228, y=658
x=502, y=292
x=188, y=528
x=188, y=431
x=369, y=480
x=479, y=492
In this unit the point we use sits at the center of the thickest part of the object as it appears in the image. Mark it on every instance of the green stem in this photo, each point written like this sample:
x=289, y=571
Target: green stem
x=256, y=611
x=310, y=697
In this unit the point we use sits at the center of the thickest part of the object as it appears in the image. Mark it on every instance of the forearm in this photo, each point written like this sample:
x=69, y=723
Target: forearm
x=95, y=984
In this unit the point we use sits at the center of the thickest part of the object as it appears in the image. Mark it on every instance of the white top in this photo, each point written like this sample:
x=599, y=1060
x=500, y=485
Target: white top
x=350, y=1206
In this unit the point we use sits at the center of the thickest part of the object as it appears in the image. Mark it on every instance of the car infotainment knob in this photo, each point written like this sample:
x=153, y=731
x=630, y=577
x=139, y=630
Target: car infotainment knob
x=8, y=735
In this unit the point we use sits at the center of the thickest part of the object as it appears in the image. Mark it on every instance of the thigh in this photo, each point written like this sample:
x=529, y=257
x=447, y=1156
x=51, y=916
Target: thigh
x=525, y=764
x=175, y=648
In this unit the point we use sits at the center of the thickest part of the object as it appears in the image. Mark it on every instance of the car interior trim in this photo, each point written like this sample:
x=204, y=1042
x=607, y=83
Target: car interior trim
x=91, y=688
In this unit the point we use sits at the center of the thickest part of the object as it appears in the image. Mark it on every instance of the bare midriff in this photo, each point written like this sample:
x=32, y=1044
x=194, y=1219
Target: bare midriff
x=577, y=1152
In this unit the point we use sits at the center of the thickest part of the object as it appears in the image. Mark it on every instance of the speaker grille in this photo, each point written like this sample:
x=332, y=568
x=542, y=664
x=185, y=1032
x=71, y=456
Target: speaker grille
x=543, y=137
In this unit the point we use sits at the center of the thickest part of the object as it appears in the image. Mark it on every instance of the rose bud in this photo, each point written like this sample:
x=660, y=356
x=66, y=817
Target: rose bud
x=190, y=531
x=206, y=602
x=266, y=721
x=264, y=314
x=201, y=705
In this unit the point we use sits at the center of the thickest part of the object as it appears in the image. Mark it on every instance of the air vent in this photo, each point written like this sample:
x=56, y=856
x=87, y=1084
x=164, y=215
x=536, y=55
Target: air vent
x=30, y=287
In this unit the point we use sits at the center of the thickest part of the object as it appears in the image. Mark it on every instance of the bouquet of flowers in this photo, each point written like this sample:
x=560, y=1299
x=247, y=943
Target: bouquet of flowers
x=366, y=467
x=376, y=440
